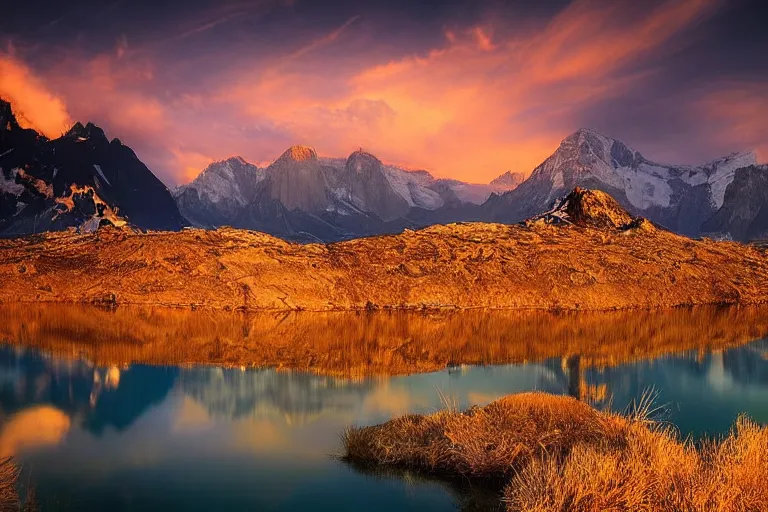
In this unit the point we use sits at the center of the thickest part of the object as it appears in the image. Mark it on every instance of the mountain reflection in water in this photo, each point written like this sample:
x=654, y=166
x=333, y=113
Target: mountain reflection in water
x=103, y=414
x=384, y=343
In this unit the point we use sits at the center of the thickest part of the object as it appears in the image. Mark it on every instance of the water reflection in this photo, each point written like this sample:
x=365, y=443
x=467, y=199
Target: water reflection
x=361, y=344
x=98, y=429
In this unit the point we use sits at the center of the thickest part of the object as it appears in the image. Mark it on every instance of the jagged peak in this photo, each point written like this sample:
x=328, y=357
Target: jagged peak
x=591, y=138
x=590, y=208
x=89, y=131
x=585, y=142
x=232, y=160
x=221, y=168
x=77, y=129
x=508, y=179
x=237, y=159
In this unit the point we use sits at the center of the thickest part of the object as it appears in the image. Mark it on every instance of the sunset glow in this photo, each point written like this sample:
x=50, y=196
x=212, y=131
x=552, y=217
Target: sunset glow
x=465, y=97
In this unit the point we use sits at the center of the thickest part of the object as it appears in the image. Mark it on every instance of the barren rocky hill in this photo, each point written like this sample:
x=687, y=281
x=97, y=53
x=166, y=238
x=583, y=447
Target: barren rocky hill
x=585, y=254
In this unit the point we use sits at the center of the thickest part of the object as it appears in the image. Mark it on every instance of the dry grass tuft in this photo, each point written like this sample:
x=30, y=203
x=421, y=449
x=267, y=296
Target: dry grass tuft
x=555, y=453
x=487, y=442
x=9, y=474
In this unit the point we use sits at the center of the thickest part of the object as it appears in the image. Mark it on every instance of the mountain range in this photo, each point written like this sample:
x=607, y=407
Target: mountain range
x=302, y=196
x=685, y=199
x=82, y=180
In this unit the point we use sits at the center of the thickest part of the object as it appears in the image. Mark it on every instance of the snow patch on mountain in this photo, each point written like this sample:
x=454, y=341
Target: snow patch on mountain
x=644, y=186
x=9, y=185
x=101, y=173
x=218, y=182
x=645, y=183
x=412, y=186
x=721, y=173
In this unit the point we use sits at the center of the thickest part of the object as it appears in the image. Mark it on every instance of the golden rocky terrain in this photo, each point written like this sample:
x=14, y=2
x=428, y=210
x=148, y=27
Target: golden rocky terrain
x=585, y=254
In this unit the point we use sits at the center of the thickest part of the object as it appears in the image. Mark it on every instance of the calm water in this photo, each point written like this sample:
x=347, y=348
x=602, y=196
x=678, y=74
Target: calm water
x=142, y=437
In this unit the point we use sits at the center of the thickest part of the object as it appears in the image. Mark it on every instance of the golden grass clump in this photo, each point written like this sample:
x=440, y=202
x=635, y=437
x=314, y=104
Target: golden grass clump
x=487, y=442
x=9, y=474
x=553, y=453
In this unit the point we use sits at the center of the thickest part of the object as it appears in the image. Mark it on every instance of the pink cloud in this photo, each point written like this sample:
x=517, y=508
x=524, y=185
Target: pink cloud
x=739, y=113
x=483, y=101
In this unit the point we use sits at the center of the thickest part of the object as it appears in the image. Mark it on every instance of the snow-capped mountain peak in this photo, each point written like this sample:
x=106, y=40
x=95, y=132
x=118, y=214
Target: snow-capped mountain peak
x=89, y=132
x=679, y=197
x=507, y=181
x=225, y=180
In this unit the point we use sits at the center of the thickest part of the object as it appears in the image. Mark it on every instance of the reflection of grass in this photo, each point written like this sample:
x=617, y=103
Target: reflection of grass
x=9, y=496
x=9, y=474
x=558, y=454
x=357, y=344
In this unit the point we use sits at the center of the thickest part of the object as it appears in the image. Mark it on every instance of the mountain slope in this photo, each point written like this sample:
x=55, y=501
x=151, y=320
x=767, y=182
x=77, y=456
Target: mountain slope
x=78, y=180
x=600, y=257
x=218, y=193
x=680, y=198
x=744, y=213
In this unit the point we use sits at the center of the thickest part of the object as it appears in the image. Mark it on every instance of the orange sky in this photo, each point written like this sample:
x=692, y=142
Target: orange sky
x=476, y=102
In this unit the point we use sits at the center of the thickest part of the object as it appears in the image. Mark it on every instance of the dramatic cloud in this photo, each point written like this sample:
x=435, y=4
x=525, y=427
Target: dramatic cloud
x=473, y=107
x=468, y=98
x=35, y=106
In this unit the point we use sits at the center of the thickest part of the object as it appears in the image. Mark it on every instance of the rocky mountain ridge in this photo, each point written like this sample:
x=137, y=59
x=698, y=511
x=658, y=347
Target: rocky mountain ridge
x=338, y=204
x=80, y=180
x=304, y=197
x=680, y=197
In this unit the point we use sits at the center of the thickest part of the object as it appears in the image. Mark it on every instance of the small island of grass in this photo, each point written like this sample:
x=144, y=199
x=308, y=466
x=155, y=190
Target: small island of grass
x=555, y=453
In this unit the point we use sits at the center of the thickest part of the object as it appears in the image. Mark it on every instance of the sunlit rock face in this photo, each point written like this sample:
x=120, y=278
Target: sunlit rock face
x=679, y=197
x=507, y=181
x=303, y=197
x=219, y=193
x=299, y=153
x=39, y=179
x=589, y=208
x=297, y=180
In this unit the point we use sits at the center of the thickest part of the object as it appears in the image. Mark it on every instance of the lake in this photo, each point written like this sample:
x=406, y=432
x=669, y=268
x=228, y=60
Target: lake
x=99, y=422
